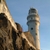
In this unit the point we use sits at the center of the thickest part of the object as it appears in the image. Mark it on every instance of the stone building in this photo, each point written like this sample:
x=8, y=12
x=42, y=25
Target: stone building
x=12, y=36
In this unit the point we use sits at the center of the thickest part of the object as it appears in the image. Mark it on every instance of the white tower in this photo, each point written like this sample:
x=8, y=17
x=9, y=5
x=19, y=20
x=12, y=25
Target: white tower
x=33, y=25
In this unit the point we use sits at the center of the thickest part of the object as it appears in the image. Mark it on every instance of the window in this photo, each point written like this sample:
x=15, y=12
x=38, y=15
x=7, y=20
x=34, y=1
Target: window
x=28, y=24
x=35, y=23
x=31, y=28
x=36, y=33
x=31, y=18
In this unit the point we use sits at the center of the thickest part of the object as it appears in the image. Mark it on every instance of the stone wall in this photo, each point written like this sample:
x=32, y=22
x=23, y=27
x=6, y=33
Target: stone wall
x=9, y=38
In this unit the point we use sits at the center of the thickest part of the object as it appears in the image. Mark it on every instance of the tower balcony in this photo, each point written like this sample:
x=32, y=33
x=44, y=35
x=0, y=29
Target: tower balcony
x=33, y=14
x=33, y=21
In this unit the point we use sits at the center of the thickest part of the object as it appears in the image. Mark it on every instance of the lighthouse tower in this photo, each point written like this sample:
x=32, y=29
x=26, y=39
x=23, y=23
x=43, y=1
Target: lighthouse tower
x=33, y=26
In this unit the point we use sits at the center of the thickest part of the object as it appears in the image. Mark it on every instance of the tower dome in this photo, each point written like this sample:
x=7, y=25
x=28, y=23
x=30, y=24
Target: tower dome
x=32, y=10
x=33, y=25
x=33, y=15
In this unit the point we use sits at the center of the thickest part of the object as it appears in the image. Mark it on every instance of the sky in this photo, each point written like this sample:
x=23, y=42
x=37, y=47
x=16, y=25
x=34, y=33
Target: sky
x=19, y=11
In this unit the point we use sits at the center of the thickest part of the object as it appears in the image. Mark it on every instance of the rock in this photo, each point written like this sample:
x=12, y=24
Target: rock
x=9, y=38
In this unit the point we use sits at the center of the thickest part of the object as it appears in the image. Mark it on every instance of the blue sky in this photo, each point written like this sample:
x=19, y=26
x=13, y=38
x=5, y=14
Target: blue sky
x=19, y=11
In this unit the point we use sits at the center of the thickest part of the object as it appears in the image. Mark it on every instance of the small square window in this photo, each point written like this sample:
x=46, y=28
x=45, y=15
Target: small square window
x=31, y=18
x=35, y=23
x=31, y=28
x=36, y=33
